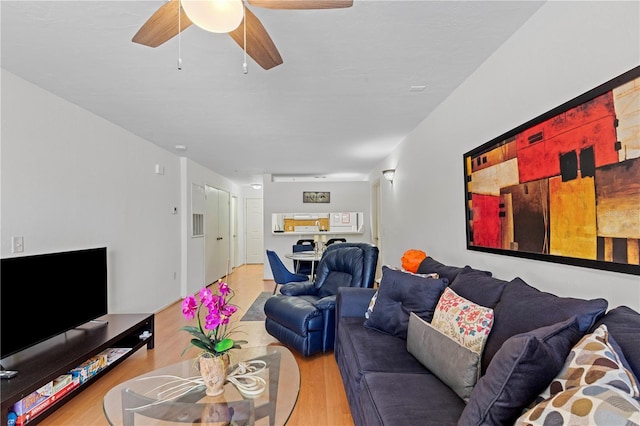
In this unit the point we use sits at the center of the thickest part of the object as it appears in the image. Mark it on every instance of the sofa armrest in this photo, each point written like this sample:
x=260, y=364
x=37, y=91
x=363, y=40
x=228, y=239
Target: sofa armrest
x=353, y=301
x=326, y=303
x=298, y=288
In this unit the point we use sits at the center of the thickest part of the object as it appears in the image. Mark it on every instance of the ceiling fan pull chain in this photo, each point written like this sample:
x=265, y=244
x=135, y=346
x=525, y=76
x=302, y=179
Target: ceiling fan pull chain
x=179, y=35
x=244, y=23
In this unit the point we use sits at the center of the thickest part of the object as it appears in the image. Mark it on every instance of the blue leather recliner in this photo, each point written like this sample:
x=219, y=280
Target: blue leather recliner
x=303, y=315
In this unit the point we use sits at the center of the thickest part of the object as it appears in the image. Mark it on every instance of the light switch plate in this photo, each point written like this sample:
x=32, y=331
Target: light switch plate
x=17, y=244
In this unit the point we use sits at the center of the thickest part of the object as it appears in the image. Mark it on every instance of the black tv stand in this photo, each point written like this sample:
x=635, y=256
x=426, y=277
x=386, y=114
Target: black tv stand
x=46, y=361
x=7, y=374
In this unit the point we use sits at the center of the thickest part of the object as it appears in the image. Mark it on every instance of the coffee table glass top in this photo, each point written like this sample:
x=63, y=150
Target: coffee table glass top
x=164, y=396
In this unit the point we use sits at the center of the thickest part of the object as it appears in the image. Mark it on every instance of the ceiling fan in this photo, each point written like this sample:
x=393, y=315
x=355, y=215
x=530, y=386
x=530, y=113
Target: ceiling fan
x=176, y=15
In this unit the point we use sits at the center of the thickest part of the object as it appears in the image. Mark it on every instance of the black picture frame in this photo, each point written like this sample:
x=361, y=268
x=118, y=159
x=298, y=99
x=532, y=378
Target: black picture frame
x=316, y=197
x=563, y=187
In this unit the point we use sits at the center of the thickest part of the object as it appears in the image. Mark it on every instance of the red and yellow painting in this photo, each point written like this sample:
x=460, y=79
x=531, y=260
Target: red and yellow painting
x=565, y=187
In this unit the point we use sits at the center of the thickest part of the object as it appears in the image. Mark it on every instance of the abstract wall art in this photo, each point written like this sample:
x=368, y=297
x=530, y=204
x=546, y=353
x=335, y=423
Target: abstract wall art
x=565, y=186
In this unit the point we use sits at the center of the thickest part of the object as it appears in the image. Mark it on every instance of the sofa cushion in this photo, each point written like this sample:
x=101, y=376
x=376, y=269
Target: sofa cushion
x=359, y=350
x=353, y=301
x=521, y=369
x=593, y=360
x=623, y=324
x=479, y=287
x=458, y=367
x=372, y=302
x=465, y=322
x=359, y=343
x=585, y=405
x=524, y=308
x=430, y=265
x=408, y=399
x=400, y=293
x=593, y=387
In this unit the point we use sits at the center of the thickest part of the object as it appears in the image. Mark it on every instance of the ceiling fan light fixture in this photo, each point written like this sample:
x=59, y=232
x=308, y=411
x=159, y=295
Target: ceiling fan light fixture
x=216, y=16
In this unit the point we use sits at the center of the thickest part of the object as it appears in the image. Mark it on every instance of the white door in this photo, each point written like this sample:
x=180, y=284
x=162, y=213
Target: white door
x=235, y=261
x=216, y=233
x=254, y=231
x=223, y=258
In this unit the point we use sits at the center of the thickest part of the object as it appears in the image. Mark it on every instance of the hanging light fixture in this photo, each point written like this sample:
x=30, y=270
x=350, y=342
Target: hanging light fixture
x=217, y=16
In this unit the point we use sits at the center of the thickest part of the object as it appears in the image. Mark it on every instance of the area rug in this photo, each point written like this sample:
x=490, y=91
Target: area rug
x=256, y=310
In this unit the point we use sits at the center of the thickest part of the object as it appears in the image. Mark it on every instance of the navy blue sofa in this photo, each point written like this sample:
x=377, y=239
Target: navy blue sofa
x=386, y=385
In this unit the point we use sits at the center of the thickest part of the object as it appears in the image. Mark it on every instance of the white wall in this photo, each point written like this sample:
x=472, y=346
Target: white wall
x=71, y=180
x=286, y=197
x=564, y=50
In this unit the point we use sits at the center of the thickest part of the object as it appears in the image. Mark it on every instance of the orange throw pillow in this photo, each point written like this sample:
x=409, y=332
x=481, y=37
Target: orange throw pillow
x=411, y=259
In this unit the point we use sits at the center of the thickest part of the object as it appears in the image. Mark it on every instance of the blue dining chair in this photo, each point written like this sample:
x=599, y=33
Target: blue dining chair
x=282, y=275
x=303, y=266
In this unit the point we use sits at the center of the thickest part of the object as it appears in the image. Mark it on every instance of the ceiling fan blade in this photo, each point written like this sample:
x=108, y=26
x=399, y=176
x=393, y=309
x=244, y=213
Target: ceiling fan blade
x=302, y=4
x=259, y=44
x=162, y=25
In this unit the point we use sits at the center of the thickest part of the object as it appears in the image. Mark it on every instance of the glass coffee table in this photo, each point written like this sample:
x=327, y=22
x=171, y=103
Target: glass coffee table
x=166, y=396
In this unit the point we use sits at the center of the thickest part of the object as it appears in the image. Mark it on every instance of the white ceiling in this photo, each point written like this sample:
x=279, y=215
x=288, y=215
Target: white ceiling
x=339, y=103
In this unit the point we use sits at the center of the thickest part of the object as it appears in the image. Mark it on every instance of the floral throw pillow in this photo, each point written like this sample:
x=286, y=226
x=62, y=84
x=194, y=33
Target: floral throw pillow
x=465, y=322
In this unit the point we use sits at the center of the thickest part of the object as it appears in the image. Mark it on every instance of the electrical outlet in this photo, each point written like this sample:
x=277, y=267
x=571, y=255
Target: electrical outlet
x=17, y=244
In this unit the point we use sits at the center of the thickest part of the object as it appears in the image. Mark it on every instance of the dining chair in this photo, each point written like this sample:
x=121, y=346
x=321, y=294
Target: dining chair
x=336, y=240
x=281, y=274
x=302, y=266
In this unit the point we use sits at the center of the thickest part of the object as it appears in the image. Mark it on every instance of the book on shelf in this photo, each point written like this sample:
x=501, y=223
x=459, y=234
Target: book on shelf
x=114, y=354
x=35, y=411
x=45, y=392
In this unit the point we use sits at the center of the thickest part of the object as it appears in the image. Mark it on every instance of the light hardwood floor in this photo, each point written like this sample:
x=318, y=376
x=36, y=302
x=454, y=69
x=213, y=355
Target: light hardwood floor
x=322, y=400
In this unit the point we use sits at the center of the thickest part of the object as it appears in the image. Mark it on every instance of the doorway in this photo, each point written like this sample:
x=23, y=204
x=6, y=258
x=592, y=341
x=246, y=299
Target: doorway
x=216, y=233
x=254, y=231
x=235, y=262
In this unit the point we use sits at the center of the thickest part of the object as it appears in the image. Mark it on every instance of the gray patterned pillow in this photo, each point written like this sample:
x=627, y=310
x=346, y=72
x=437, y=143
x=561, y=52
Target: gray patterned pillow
x=585, y=405
x=593, y=387
x=593, y=360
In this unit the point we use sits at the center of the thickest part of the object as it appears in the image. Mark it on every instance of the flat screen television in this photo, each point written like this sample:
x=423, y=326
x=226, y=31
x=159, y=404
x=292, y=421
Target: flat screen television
x=44, y=295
